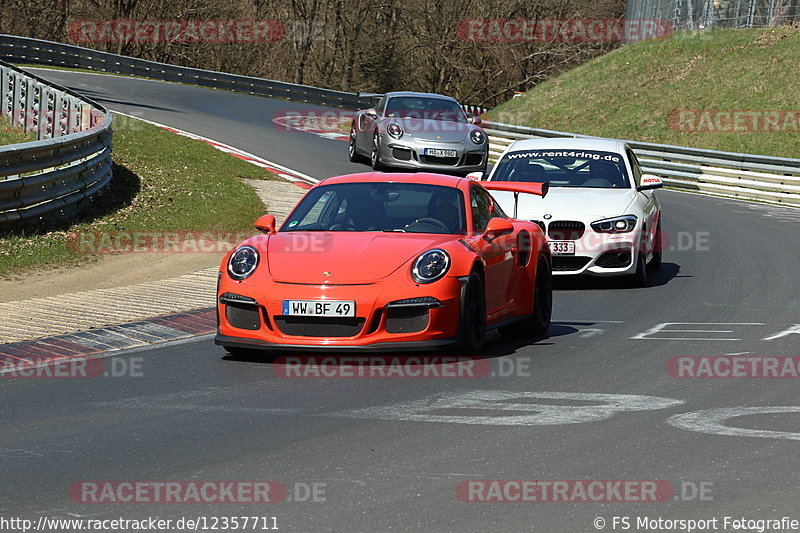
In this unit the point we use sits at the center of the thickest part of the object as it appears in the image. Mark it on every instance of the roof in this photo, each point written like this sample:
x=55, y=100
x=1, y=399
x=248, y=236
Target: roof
x=426, y=178
x=572, y=143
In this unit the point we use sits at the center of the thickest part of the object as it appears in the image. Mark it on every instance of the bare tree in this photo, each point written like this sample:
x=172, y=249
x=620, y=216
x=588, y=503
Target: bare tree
x=355, y=45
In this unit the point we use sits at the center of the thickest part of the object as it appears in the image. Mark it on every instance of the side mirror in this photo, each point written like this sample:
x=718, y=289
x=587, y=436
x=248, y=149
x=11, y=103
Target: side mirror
x=496, y=227
x=475, y=176
x=266, y=223
x=650, y=182
x=475, y=120
x=371, y=113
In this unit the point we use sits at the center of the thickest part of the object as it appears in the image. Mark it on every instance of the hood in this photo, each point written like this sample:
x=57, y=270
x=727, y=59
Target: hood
x=434, y=130
x=348, y=256
x=569, y=203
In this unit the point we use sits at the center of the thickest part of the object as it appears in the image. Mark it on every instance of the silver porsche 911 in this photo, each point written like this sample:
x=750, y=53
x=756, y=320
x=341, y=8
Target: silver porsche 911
x=419, y=131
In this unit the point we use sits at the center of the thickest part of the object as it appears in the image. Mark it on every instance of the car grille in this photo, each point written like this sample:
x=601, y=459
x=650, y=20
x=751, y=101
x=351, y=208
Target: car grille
x=540, y=224
x=313, y=326
x=567, y=263
x=614, y=259
x=242, y=316
x=472, y=160
x=406, y=319
x=401, y=154
x=439, y=160
x=565, y=230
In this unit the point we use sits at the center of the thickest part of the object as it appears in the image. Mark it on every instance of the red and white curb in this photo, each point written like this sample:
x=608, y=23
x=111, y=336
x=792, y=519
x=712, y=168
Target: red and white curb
x=18, y=356
x=298, y=178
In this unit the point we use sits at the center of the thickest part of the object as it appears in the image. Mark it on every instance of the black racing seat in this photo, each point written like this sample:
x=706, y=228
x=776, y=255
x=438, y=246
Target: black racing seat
x=522, y=170
x=359, y=217
x=604, y=174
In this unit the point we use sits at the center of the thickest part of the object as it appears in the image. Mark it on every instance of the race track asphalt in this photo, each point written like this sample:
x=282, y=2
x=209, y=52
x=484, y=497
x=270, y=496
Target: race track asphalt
x=391, y=452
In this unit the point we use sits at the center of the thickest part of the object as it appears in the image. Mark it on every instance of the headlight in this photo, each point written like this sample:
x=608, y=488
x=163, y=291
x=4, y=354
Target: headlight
x=622, y=224
x=243, y=262
x=477, y=136
x=394, y=130
x=430, y=266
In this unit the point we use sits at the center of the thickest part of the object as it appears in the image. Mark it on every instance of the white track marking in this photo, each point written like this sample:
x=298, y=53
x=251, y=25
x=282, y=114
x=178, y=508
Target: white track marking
x=662, y=328
x=794, y=330
x=591, y=332
x=712, y=421
x=511, y=408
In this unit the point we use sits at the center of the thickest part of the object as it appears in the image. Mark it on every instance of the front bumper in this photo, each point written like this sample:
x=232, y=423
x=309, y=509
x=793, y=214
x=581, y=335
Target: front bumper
x=250, y=314
x=600, y=254
x=409, y=154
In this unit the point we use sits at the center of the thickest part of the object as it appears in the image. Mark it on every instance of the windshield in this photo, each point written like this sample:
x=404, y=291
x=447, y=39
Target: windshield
x=400, y=207
x=565, y=168
x=425, y=108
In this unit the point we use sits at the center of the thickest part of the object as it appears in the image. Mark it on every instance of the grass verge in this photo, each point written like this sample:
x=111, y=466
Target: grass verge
x=632, y=92
x=162, y=183
x=10, y=135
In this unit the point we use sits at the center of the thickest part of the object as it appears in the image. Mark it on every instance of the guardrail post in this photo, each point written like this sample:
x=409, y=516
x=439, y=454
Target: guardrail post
x=73, y=116
x=16, y=99
x=4, y=93
x=28, y=118
x=47, y=123
x=41, y=114
x=86, y=117
x=58, y=114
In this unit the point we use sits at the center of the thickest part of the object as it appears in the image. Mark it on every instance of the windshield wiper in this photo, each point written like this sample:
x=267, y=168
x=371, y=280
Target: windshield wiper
x=399, y=230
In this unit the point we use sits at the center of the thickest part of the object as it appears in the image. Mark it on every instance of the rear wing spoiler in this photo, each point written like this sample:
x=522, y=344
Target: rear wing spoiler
x=539, y=189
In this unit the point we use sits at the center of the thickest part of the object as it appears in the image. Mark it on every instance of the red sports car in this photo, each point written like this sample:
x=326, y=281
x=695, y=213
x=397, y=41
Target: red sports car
x=387, y=262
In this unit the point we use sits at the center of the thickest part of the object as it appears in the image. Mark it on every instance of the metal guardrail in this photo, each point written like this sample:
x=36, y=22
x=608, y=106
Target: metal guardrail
x=69, y=163
x=742, y=176
x=34, y=51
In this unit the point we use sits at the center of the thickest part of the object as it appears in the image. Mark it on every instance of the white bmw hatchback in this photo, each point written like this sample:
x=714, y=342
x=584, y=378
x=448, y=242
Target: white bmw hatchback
x=601, y=215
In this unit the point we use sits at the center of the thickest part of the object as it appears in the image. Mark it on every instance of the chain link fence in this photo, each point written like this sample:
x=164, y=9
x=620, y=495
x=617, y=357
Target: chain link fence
x=690, y=15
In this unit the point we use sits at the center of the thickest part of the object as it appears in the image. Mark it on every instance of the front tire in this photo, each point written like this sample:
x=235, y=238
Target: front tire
x=537, y=323
x=473, y=315
x=639, y=278
x=375, y=154
x=352, y=153
x=655, y=261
